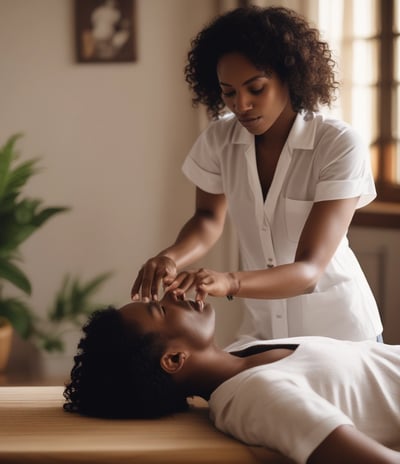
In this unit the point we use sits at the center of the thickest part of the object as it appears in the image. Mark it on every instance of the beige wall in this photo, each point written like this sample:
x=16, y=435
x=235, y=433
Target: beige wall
x=111, y=137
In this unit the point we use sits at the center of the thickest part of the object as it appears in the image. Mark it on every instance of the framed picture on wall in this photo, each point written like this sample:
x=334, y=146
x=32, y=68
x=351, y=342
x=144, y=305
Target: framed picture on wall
x=105, y=31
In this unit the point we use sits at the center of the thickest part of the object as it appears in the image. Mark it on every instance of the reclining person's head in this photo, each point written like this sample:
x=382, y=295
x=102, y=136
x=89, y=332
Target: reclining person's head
x=130, y=361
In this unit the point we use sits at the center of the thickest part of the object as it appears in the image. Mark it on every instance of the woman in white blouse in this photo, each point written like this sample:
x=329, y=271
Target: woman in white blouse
x=289, y=178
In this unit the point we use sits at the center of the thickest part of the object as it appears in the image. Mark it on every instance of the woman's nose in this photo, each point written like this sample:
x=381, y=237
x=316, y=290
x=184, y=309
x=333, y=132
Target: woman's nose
x=242, y=103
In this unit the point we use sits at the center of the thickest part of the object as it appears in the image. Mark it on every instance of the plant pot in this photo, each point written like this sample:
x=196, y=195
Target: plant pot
x=6, y=331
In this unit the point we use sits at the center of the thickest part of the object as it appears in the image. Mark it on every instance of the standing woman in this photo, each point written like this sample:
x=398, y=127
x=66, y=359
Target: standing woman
x=289, y=177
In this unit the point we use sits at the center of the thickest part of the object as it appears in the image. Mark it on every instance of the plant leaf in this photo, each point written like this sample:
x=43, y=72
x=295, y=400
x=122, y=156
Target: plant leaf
x=25, y=210
x=60, y=308
x=93, y=285
x=7, y=155
x=52, y=344
x=20, y=175
x=73, y=300
x=13, y=274
x=7, y=203
x=41, y=217
x=13, y=234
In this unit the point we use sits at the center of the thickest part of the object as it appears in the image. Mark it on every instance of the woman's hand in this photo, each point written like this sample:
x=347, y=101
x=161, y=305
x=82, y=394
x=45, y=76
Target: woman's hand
x=156, y=271
x=204, y=282
x=195, y=239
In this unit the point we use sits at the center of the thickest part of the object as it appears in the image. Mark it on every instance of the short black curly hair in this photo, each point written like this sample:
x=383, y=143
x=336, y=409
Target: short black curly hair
x=117, y=373
x=273, y=39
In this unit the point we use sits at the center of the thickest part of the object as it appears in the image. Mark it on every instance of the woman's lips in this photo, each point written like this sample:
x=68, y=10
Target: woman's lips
x=248, y=119
x=249, y=122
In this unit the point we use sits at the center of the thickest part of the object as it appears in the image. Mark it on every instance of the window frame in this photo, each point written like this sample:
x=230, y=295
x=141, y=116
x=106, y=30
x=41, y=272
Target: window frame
x=388, y=190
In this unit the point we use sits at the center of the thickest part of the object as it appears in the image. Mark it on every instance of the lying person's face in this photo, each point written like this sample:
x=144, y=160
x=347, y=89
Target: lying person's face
x=173, y=318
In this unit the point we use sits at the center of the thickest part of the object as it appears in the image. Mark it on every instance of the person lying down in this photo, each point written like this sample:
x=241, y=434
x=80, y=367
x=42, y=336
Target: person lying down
x=313, y=399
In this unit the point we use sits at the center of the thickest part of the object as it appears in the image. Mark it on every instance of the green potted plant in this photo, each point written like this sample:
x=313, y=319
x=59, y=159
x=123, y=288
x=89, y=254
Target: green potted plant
x=20, y=217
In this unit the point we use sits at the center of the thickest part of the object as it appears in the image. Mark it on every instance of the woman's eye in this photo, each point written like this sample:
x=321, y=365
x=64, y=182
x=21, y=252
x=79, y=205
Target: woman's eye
x=252, y=91
x=257, y=91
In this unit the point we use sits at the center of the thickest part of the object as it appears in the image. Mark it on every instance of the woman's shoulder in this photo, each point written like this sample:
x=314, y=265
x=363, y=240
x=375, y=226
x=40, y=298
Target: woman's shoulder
x=334, y=131
x=330, y=124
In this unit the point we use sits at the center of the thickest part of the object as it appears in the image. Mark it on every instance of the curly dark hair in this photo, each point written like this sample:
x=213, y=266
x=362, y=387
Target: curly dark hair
x=273, y=39
x=117, y=374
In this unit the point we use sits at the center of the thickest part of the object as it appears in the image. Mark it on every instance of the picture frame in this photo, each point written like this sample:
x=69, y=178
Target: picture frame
x=105, y=31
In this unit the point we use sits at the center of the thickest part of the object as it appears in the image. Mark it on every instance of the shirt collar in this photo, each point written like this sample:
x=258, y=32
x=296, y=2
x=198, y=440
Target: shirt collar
x=301, y=136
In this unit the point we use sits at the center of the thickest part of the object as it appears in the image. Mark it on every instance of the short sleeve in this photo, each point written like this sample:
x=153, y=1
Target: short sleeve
x=202, y=166
x=345, y=169
x=280, y=415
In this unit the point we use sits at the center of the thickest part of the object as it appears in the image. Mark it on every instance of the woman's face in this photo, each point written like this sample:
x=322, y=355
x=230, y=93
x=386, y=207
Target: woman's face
x=257, y=99
x=174, y=319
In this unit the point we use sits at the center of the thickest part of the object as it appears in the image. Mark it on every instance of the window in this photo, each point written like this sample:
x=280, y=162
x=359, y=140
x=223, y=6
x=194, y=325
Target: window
x=365, y=34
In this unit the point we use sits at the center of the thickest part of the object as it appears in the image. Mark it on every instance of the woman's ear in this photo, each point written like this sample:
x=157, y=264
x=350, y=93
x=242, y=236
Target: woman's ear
x=172, y=362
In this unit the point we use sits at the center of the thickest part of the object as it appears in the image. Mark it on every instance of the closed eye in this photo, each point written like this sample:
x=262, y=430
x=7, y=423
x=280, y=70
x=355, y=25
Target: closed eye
x=256, y=91
x=252, y=91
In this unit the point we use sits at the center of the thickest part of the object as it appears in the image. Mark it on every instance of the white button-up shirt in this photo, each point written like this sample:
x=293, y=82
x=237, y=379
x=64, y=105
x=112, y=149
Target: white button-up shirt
x=323, y=159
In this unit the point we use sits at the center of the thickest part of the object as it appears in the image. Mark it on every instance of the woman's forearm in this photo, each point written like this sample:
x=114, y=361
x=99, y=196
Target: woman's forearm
x=201, y=231
x=194, y=240
x=282, y=281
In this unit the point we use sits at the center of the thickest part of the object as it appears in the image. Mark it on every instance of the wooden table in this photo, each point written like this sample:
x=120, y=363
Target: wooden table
x=35, y=429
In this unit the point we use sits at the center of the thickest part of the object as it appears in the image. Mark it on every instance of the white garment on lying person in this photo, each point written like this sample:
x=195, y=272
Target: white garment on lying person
x=293, y=404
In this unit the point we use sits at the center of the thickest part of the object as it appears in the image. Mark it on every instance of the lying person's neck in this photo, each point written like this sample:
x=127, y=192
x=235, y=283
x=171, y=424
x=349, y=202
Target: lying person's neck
x=208, y=369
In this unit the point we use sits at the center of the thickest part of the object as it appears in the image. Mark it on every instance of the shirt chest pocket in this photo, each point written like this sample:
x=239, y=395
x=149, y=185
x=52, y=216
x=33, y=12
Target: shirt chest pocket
x=296, y=214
